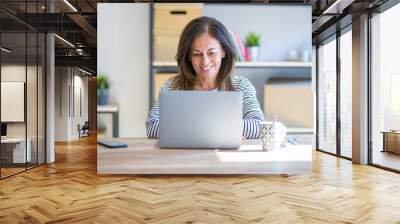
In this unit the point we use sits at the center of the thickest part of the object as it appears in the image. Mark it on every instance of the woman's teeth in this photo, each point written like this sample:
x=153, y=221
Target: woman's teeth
x=206, y=68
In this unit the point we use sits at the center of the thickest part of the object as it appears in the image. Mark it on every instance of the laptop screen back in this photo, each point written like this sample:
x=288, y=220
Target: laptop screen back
x=200, y=119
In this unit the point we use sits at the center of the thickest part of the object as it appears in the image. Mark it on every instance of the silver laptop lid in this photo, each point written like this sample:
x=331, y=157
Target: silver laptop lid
x=200, y=119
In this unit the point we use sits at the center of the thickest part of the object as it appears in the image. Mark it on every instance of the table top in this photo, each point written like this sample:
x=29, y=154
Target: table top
x=143, y=156
x=14, y=140
x=391, y=132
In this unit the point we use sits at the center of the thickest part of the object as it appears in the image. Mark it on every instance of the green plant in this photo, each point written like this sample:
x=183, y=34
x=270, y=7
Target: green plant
x=252, y=39
x=102, y=82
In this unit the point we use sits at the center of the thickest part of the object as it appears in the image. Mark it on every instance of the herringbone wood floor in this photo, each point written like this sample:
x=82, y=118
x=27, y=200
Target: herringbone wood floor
x=70, y=191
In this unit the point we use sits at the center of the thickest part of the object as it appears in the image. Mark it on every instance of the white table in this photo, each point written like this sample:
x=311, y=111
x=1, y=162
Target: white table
x=19, y=149
x=143, y=156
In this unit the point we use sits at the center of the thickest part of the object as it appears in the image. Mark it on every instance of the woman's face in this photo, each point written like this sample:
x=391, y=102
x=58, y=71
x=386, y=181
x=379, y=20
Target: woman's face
x=206, y=56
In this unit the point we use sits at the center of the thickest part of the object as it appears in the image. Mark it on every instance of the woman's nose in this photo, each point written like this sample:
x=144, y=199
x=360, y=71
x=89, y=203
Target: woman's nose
x=205, y=59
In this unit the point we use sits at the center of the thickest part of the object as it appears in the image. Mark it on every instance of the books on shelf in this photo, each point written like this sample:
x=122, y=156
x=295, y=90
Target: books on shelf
x=239, y=46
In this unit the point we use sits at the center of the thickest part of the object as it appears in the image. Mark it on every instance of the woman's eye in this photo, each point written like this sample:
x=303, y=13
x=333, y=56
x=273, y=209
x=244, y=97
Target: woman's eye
x=211, y=53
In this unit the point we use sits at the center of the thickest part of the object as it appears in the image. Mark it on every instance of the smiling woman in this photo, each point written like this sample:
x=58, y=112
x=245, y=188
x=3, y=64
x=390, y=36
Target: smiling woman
x=206, y=60
x=206, y=56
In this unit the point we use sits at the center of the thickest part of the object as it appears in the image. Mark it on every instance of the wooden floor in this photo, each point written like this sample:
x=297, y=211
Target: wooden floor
x=70, y=191
x=10, y=171
x=386, y=159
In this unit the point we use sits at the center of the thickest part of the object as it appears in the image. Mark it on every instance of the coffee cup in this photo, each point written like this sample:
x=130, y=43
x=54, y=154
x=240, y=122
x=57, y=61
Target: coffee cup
x=272, y=135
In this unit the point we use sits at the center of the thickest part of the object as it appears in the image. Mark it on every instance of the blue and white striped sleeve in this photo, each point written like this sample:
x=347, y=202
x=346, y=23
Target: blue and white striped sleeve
x=252, y=113
x=153, y=122
x=153, y=119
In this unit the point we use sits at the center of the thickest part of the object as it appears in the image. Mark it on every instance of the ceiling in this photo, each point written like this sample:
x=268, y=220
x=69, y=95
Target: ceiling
x=76, y=21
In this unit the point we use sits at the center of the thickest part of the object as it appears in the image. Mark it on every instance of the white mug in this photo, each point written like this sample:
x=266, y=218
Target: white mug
x=272, y=134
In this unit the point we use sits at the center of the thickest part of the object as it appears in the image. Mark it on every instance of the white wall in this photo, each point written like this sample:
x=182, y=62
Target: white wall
x=123, y=39
x=83, y=83
x=80, y=108
x=67, y=115
x=61, y=104
x=282, y=27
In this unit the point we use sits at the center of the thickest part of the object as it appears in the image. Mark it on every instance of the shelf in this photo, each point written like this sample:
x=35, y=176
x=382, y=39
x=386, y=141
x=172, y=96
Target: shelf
x=299, y=130
x=107, y=108
x=248, y=64
x=274, y=64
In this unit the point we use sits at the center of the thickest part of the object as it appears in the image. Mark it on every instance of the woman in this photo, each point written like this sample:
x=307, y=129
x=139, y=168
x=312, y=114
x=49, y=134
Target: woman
x=206, y=60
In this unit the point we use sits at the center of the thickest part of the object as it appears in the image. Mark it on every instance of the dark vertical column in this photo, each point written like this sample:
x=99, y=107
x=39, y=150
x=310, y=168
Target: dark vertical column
x=317, y=97
x=37, y=88
x=45, y=89
x=26, y=86
x=338, y=77
x=369, y=90
x=1, y=163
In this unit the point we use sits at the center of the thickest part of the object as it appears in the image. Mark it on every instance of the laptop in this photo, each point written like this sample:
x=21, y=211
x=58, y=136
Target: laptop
x=200, y=119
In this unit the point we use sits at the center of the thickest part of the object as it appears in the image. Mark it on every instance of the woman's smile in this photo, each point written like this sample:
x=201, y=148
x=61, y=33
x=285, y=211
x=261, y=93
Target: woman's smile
x=207, y=68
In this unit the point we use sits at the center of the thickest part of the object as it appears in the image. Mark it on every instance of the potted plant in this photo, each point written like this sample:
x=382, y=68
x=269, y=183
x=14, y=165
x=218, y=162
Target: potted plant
x=253, y=46
x=102, y=89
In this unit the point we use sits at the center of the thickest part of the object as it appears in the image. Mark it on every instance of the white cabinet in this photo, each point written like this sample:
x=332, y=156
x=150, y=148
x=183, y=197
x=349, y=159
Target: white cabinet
x=16, y=148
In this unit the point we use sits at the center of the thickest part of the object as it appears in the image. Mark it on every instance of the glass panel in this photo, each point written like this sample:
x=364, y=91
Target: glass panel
x=41, y=98
x=386, y=89
x=31, y=100
x=13, y=87
x=31, y=85
x=327, y=96
x=346, y=93
x=23, y=88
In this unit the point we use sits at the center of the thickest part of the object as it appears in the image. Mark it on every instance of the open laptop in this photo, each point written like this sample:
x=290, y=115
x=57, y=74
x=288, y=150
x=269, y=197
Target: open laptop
x=200, y=119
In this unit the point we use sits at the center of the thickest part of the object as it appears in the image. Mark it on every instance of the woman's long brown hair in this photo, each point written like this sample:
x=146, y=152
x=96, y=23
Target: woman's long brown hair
x=186, y=78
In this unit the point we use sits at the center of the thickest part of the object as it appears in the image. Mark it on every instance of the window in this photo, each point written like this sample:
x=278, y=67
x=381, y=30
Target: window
x=22, y=78
x=327, y=96
x=346, y=92
x=385, y=89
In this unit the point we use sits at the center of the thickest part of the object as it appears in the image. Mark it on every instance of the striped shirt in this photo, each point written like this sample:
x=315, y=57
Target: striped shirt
x=252, y=113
